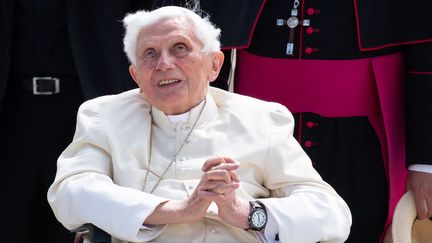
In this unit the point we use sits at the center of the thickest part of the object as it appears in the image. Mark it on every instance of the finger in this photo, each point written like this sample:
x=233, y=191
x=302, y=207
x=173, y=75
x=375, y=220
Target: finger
x=228, y=160
x=212, y=162
x=421, y=205
x=217, y=186
x=217, y=175
x=224, y=163
x=224, y=166
x=210, y=185
x=209, y=195
x=429, y=213
x=226, y=176
x=220, y=188
x=420, y=184
x=429, y=206
x=234, y=176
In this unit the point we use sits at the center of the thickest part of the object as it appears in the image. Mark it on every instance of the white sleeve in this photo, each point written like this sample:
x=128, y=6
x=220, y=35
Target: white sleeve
x=304, y=207
x=270, y=233
x=307, y=215
x=83, y=190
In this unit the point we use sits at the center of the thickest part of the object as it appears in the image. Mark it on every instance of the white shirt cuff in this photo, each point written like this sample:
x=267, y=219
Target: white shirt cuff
x=150, y=227
x=270, y=231
x=420, y=168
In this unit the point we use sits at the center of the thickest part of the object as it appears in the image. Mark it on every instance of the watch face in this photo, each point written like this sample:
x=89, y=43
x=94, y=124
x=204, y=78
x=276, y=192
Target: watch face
x=258, y=219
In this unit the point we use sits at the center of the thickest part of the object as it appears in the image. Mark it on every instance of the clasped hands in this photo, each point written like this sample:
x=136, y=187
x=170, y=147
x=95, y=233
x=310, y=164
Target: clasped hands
x=218, y=184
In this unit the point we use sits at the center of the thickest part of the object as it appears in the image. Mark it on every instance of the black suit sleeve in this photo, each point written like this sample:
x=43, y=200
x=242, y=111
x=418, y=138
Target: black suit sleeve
x=419, y=103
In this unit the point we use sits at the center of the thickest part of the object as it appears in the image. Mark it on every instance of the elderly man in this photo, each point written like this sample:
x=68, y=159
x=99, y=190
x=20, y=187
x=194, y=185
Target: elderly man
x=178, y=161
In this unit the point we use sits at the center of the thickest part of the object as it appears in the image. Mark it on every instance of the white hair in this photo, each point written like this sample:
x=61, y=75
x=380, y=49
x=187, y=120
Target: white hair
x=204, y=30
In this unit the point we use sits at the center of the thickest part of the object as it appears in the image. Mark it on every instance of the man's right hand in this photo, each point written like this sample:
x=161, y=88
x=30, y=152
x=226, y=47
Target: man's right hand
x=420, y=184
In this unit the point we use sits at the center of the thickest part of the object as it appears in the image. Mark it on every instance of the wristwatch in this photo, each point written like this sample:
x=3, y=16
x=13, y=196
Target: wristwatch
x=257, y=216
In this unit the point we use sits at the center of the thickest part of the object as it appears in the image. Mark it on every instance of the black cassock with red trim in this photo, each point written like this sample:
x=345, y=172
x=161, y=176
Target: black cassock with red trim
x=345, y=150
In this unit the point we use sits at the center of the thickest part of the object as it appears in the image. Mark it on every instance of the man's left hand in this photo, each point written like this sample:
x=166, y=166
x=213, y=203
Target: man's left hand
x=420, y=184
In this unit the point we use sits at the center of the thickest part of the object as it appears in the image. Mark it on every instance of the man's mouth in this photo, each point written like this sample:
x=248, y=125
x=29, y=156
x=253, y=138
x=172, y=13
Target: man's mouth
x=167, y=82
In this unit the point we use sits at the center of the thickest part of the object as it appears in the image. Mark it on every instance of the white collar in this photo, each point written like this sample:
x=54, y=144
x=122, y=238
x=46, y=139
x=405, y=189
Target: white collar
x=179, y=118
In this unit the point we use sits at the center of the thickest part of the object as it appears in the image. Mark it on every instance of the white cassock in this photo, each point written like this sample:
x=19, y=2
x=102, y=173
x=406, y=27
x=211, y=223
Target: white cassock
x=100, y=175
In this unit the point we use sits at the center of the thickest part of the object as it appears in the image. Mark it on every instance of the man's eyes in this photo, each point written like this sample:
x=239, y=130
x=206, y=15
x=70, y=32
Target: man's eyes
x=150, y=53
x=180, y=47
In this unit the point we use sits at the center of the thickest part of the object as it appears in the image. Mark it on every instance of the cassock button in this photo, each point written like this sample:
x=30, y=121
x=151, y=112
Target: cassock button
x=310, y=124
x=184, y=127
x=309, y=30
x=311, y=11
x=307, y=144
x=309, y=50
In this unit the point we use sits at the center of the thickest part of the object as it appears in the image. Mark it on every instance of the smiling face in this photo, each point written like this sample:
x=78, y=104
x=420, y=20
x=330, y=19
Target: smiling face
x=171, y=69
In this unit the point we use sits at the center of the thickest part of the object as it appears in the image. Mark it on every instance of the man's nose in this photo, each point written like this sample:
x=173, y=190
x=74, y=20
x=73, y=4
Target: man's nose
x=165, y=62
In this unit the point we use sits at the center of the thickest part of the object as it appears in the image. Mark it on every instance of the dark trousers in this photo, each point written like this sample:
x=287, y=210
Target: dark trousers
x=34, y=130
x=347, y=154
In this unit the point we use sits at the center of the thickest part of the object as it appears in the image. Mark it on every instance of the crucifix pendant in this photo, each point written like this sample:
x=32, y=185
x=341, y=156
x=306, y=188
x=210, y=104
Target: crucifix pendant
x=292, y=22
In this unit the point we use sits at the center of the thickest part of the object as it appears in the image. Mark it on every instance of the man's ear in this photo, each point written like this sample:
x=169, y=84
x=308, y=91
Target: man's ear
x=134, y=73
x=217, y=61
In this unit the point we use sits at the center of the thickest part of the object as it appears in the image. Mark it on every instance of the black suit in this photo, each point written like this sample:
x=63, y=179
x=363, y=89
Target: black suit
x=34, y=129
x=95, y=32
